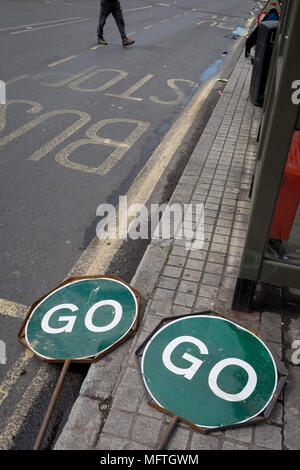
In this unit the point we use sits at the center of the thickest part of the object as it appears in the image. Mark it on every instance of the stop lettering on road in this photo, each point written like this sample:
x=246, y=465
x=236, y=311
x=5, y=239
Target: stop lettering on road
x=208, y=371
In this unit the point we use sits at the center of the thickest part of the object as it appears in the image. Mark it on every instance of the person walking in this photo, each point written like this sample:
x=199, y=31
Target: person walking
x=113, y=7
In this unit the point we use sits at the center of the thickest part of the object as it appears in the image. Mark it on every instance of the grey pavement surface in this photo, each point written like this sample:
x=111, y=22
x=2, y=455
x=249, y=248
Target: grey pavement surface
x=111, y=412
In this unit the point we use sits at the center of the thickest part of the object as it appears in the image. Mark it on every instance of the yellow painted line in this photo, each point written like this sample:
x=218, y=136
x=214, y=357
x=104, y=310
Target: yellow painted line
x=96, y=47
x=211, y=23
x=248, y=24
x=17, y=418
x=15, y=421
x=98, y=255
x=17, y=79
x=221, y=26
x=62, y=60
x=14, y=373
x=12, y=309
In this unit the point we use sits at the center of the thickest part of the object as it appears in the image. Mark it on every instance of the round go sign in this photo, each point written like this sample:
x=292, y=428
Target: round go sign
x=81, y=319
x=209, y=371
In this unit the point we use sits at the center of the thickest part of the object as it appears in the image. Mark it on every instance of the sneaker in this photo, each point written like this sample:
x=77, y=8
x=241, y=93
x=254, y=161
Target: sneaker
x=102, y=41
x=127, y=42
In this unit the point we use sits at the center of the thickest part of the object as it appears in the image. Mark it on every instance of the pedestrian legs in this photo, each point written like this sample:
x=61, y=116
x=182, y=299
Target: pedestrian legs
x=113, y=7
x=105, y=10
x=119, y=19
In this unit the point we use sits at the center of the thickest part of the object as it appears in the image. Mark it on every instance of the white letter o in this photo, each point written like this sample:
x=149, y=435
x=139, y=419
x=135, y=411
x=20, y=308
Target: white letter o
x=247, y=390
x=100, y=329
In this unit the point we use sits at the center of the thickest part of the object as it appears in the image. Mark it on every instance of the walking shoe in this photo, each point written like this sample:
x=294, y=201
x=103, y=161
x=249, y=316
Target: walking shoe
x=102, y=41
x=127, y=42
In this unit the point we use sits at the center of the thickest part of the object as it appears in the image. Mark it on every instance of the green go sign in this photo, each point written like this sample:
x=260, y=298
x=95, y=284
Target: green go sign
x=208, y=371
x=81, y=319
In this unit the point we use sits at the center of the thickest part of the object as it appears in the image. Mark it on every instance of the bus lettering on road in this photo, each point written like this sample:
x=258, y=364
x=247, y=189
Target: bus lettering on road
x=121, y=147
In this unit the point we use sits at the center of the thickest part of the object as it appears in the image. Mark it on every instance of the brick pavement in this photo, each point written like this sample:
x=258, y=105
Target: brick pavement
x=111, y=412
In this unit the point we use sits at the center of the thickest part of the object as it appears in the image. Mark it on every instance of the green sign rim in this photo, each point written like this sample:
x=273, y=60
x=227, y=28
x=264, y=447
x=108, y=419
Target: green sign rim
x=66, y=284
x=218, y=318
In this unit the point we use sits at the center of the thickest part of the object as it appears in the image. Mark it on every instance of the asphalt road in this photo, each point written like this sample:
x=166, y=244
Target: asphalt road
x=81, y=121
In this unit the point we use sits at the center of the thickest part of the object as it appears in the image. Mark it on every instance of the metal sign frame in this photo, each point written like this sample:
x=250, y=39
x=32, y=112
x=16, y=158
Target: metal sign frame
x=67, y=362
x=282, y=374
x=95, y=358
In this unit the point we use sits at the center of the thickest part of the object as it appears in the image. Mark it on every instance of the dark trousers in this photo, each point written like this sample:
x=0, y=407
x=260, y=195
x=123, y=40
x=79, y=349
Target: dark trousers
x=113, y=7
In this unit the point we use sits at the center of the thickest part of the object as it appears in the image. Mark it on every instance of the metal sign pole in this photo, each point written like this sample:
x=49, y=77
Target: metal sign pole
x=168, y=434
x=51, y=406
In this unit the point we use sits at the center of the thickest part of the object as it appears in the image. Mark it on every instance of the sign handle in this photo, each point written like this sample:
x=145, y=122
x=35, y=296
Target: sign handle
x=171, y=428
x=51, y=405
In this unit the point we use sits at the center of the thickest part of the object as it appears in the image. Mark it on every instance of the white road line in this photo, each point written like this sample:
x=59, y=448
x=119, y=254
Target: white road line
x=50, y=26
x=62, y=60
x=137, y=9
x=38, y=24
